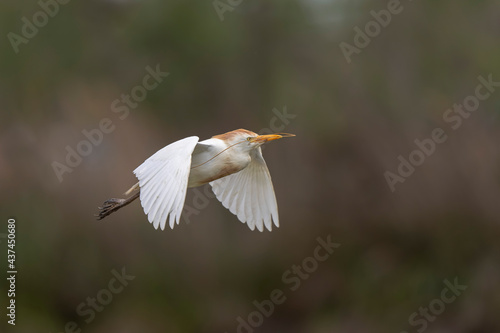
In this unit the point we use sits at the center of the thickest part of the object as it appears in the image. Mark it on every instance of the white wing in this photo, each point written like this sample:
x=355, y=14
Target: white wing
x=163, y=180
x=249, y=194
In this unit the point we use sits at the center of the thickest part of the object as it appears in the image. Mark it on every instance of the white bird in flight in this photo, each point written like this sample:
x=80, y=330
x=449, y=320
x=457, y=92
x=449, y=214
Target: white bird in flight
x=233, y=165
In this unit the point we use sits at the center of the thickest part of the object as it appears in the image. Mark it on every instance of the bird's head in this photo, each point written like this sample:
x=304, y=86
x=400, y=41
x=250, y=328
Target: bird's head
x=248, y=140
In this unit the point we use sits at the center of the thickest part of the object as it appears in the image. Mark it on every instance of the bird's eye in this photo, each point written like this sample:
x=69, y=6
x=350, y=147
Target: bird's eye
x=249, y=138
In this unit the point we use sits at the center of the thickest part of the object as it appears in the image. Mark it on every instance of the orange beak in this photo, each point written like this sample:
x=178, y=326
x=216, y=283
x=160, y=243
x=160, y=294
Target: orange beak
x=271, y=137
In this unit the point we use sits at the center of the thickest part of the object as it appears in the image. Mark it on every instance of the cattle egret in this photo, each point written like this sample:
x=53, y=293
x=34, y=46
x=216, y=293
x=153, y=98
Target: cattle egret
x=231, y=163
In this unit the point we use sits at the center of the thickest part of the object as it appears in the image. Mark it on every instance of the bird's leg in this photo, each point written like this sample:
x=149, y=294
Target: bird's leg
x=132, y=189
x=112, y=205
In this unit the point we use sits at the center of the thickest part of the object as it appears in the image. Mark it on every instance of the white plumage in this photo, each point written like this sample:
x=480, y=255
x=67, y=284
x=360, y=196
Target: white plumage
x=163, y=180
x=233, y=165
x=249, y=194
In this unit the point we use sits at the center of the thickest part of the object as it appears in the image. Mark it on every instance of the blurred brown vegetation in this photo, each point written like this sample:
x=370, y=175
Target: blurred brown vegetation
x=352, y=122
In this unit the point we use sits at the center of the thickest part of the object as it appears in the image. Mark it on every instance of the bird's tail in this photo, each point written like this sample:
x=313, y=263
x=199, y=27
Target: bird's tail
x=112, y=205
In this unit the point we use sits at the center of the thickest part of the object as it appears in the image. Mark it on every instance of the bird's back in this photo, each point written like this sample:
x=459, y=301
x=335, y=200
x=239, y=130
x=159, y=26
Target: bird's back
x=212, y=159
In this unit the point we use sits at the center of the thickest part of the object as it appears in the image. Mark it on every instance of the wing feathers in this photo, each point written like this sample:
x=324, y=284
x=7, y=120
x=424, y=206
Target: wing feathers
x=249, y=194
x=163, y=180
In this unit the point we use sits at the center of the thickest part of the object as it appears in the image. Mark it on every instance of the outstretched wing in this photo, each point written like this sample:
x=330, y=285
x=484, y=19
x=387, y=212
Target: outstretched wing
x=163, y=180
x=249, y=194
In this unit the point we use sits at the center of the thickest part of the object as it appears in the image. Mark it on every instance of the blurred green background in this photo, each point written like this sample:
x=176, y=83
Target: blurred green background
x=352, y=121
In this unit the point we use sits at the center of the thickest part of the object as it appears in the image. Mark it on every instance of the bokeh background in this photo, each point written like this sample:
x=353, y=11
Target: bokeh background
x=352, y=121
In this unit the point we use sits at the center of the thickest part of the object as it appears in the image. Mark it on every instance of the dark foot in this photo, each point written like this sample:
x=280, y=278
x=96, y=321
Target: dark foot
x=110, y=206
